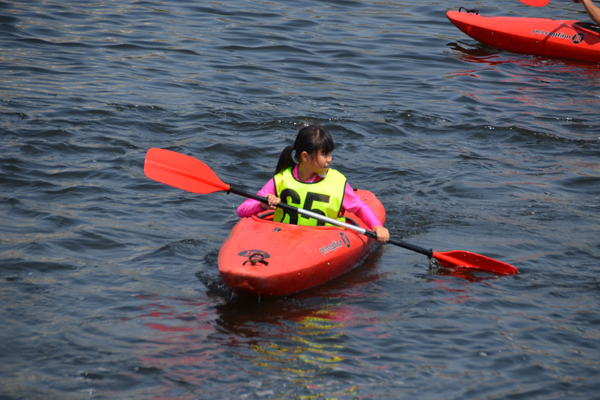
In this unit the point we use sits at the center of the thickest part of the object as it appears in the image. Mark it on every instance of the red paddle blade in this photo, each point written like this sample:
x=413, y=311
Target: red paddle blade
x=535, y=3
x=466, y=259
x=181, y=171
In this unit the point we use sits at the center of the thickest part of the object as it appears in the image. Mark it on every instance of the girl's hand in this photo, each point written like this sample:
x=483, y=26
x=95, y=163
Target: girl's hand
x=383, y=235
x=273, y=201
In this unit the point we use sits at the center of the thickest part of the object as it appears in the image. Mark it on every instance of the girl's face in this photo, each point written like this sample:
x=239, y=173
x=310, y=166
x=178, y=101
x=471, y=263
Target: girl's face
x=318, y=163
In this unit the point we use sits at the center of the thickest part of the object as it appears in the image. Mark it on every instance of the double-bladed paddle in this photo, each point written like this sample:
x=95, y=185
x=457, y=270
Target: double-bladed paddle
x=187, y=173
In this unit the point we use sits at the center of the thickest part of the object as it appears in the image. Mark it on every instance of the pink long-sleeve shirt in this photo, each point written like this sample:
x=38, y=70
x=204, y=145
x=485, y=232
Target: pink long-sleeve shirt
x=351, y=202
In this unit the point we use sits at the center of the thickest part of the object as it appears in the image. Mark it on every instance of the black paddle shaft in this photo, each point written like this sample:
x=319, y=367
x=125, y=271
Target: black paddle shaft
x=428, y=253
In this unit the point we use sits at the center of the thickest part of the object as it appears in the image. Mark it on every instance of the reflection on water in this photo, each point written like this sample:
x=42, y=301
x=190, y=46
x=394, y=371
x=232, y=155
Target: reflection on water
x=302, y=337
x=545, y=67
x=177, y=349
x=306, y=343
x=532, y=85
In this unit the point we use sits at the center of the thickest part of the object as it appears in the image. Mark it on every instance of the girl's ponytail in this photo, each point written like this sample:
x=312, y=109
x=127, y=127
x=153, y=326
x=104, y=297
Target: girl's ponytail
x=285, y=160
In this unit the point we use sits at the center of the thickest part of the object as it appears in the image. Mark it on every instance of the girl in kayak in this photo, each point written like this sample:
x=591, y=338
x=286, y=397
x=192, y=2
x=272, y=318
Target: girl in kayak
x=305, y=180
x=592, y=10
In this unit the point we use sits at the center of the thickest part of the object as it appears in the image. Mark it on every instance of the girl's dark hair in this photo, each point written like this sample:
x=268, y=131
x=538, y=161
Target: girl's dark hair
x=310, y=139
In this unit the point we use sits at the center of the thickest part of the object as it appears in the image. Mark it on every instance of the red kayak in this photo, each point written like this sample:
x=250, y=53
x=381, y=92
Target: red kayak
x=266, y=258
x=543, y=37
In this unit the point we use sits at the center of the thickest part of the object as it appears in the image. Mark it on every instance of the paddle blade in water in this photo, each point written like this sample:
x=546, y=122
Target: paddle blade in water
x=466, y=259
x=535, y=3
x=181, y=171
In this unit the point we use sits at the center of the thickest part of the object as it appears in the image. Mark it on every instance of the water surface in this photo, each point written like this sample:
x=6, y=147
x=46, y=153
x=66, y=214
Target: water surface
x=109, y=280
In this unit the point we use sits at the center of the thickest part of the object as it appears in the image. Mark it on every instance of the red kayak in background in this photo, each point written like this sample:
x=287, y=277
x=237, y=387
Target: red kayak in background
x=266, y=258
x=537, y=36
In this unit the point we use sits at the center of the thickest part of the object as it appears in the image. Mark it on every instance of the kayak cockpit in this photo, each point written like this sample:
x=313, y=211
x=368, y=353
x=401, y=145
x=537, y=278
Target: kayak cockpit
x=268, y=216
x=588, y=26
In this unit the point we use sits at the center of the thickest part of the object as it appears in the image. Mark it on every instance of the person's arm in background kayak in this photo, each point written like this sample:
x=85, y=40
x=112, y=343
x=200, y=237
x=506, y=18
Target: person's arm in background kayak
x=592, y=10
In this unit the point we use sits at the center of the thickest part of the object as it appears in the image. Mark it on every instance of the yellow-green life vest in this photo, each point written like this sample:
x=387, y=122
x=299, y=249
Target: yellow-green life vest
x=324, y=197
